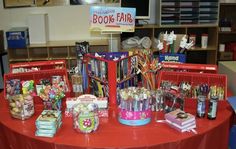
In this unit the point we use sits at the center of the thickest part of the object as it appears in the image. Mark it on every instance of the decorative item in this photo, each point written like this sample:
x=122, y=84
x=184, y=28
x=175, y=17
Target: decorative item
x=148, y=67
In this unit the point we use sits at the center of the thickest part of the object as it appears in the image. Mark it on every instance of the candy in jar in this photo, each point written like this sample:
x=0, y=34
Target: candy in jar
x=21, y=106
x=85, y=117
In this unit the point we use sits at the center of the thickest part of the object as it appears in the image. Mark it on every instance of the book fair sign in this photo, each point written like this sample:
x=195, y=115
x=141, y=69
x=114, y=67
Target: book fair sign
x=114, y=19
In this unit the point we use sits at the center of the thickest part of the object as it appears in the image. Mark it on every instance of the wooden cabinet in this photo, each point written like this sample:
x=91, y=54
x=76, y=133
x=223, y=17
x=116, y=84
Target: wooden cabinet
x=54, y=50
x=196, y=55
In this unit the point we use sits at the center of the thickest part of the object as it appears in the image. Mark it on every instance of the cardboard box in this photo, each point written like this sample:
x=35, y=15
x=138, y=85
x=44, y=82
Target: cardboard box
x=226, y=56
x=17, y=37
x=228, y=68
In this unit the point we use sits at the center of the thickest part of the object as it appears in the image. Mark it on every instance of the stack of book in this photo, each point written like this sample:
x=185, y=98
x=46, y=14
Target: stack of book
x=48, y=122
x=181, y=120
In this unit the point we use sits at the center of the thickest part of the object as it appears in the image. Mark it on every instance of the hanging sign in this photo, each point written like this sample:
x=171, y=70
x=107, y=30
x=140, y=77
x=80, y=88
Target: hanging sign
x=116, y=19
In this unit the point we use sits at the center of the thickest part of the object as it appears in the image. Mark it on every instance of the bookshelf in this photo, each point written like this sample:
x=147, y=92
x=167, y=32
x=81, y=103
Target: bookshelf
x=196, y=55
x=54, y=50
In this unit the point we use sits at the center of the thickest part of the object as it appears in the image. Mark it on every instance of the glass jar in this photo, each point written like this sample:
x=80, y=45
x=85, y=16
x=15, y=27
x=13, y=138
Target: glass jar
x=85, y=117
x=21, y=106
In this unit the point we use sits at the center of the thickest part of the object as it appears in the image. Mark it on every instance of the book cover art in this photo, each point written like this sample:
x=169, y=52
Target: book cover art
x=179, y=117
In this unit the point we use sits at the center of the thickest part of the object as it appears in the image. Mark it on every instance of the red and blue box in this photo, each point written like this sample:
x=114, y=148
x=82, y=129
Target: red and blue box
x=17, y=37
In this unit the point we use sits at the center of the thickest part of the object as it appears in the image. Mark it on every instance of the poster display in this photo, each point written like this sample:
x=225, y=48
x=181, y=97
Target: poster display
x=114, y=19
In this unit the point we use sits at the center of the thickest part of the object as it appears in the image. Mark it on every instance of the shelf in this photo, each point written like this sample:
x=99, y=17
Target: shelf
x=230, y=32
x=227, y=4
x=17, y=60
x=54, y=50
x=153, y=32
x=172, y=12
x=209, y=48
x=67, y=43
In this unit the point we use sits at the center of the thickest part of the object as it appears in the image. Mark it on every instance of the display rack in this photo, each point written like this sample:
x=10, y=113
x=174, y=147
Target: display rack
x=37, y=76
x=194, y=79
x=112, y=71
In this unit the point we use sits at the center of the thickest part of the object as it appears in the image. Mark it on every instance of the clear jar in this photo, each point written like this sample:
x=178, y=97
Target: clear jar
x=21, y=106
x=85, y=117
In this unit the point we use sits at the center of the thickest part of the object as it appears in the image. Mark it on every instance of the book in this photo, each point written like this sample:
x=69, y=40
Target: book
x=186, y=126
x=183, y=129
x=179, y=117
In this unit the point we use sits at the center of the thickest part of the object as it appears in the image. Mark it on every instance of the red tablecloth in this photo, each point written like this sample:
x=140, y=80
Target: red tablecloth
x=17, y=134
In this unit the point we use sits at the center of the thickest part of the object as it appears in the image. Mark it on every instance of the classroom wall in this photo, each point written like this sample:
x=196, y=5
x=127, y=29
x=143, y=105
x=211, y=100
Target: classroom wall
x=65, y=22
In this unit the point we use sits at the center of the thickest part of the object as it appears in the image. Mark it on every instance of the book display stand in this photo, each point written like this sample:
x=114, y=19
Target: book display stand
x=109, y=72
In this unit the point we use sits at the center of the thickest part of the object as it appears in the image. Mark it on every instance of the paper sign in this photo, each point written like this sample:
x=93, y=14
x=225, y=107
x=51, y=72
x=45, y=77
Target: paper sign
x=116, y=19
x=181, y=58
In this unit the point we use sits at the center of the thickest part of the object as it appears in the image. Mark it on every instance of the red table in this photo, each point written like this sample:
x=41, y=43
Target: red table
x=17, y=134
